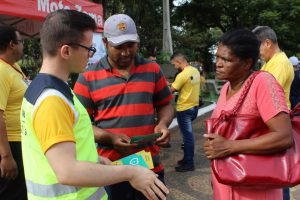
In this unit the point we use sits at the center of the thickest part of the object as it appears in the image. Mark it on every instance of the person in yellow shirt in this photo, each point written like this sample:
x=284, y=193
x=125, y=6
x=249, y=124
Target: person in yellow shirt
x=187, y=83
x=12, y=88
x=276, y=61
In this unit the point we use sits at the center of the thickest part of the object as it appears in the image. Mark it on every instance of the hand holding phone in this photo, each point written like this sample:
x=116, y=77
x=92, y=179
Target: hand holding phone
x=141, y=139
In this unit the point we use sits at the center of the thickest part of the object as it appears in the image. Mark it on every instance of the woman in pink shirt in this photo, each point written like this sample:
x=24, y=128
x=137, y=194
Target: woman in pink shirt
x=237, y=53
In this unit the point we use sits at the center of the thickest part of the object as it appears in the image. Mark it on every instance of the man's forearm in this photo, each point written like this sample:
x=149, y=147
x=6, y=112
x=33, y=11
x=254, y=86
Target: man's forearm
x=87, y=174
x=4, y=144
x=165, y=114
x=69, y=171
x=101, y=136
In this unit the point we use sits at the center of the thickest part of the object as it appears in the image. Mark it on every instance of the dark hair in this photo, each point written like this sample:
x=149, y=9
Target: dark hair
x=64, y=27
x=265, y=32
x=178, y=55
x=7, y=34
x=243, y=43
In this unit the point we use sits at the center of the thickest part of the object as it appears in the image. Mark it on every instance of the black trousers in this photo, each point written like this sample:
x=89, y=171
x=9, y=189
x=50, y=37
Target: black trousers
x=14, y=189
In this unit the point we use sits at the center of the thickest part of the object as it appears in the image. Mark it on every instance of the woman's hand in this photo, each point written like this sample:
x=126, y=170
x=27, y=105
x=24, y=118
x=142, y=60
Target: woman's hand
x=217, y=146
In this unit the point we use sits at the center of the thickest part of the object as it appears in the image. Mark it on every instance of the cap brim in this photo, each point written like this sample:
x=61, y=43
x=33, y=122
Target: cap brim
x=118, y=40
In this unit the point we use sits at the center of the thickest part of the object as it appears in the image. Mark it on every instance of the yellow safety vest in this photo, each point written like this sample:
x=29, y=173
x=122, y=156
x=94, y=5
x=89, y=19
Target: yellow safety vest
x=41, y=181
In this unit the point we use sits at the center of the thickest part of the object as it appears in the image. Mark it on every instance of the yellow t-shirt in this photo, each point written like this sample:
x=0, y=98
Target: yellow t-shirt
x=187, y=83
x=53, y=119
x=12, y=90
x=281, y=68
x=202, y=84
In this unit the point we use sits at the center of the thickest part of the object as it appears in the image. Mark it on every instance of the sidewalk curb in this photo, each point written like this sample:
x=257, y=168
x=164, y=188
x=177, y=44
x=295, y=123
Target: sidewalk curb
x=201, y=111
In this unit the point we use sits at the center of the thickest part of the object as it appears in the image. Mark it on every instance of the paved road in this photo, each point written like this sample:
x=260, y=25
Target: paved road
x=193, y=185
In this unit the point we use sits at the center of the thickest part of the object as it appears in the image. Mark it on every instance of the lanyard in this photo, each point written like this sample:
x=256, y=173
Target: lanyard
x=13, y=66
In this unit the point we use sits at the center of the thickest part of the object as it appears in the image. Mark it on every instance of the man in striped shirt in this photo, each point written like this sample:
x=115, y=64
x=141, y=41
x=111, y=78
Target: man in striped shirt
x=123, y=93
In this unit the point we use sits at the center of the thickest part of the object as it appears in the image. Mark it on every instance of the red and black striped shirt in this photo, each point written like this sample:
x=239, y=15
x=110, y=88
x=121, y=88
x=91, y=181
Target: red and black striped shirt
x=124, y=105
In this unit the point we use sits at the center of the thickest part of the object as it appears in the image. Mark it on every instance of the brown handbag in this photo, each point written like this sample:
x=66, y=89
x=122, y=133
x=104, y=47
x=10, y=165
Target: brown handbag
x=255, y=171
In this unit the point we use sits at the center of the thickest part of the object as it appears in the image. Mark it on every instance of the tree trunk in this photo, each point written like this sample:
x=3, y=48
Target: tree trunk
x=167, y=39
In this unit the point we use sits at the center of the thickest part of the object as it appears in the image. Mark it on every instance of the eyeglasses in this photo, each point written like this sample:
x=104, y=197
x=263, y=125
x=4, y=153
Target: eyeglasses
x=20, y=41
x=91, y=50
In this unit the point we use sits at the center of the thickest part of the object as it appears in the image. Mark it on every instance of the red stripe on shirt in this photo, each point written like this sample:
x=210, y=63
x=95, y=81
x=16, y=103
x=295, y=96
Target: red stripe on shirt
x=140, y=87
x=164, y=101
x=146, y=68
x=90, y=111
x=160, y=84
x=125, y=110
x=96, y=75
x=133, y=131
x=82, y=90
x=123, y=88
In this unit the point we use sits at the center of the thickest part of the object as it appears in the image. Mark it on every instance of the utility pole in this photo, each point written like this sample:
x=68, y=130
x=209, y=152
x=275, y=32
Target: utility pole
x=167, y=38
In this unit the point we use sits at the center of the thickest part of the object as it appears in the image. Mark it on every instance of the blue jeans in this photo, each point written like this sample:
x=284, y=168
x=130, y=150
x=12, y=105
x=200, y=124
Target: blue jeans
x=185, y=119
x=286, y=193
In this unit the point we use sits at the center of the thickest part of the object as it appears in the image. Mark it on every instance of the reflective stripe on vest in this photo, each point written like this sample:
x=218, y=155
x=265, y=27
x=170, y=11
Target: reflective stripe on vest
x=97, y=195
x=56, y=190
x=49, y=190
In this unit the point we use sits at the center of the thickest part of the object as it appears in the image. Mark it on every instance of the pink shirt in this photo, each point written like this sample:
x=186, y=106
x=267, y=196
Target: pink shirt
x=265, y=98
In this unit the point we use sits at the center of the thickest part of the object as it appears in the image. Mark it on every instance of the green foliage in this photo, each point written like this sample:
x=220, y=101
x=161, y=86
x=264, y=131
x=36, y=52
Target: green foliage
x=32, y=59
x=281, y=15
x=197, y=25
x=163, y=57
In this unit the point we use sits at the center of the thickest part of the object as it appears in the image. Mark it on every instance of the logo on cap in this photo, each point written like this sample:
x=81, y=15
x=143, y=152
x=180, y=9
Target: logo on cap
x=121, y=26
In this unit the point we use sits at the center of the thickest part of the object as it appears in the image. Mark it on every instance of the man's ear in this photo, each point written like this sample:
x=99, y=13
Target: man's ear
x=11, y=44
x=105, y=41
x=65, y=52
x=268, y=42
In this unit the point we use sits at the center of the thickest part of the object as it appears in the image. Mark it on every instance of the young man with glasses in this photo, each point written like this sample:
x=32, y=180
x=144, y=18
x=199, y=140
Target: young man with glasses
x=12, y=89
x=59, y=151
x=91, y=50
x=123, y=93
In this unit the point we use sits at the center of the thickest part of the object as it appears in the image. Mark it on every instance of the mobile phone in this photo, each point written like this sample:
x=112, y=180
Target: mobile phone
x=140, y=139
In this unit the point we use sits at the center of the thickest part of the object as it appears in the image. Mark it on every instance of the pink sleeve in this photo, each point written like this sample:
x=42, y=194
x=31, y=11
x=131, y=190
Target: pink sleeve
x=269, y=96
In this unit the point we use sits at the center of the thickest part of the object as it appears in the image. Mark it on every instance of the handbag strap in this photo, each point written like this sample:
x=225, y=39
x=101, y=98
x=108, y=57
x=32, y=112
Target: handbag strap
x=295, y=111
x=225, y=115
x=244, y=93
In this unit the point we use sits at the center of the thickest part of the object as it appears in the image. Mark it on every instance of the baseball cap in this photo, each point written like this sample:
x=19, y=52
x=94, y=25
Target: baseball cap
x=120, y=28
x=294, y=60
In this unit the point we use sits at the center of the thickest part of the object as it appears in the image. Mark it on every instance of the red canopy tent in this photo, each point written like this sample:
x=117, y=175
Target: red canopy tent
x=28, y=15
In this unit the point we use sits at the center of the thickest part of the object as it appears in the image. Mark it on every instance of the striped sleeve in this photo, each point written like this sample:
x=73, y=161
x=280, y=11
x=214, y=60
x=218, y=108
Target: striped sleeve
x=82, y=92
x=162, y=93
